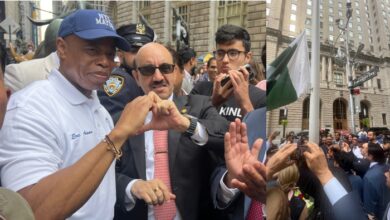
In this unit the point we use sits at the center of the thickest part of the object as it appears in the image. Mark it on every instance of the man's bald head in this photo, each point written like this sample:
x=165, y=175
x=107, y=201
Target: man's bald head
x=148, y=77
x=154, y=48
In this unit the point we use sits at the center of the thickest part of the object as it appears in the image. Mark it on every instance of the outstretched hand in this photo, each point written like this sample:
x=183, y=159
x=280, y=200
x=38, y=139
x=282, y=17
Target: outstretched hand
x=244, y=170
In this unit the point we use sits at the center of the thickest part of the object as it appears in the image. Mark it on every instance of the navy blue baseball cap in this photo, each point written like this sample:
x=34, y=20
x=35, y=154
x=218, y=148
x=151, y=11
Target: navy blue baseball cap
x=91, y=25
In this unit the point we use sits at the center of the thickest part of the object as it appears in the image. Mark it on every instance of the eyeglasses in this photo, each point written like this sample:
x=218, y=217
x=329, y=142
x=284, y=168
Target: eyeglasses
x=149, y=70
x=232, y=54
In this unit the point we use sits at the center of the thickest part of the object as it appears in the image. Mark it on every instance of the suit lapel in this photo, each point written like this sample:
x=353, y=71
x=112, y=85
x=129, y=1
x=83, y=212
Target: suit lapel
x=173, y=136
x=137, y=144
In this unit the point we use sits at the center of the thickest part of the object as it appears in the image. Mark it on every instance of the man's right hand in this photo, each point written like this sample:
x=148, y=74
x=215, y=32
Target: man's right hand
x=221, y=93
x=153, y=192
x=132, y=118
x=316, y=161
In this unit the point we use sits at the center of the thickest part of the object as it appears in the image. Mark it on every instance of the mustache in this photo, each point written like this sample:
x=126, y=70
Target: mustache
x=159, y=83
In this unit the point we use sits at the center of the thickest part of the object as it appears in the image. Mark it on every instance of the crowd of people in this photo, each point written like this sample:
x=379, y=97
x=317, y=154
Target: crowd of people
x=360, y=163
x=85, y=138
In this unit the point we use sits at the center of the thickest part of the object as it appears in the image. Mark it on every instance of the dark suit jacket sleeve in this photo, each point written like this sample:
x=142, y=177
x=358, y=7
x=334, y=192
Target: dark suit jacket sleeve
x=121, y=183
x=216, y=125
x=202, y=88
x=349, y=207
x=215, y=179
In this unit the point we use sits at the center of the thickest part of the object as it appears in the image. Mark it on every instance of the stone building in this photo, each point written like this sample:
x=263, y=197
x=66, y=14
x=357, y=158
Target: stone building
x=369, y=25
x=202, y=17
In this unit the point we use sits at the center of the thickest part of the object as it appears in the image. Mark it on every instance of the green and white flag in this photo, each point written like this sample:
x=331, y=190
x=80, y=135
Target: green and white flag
x=288, y=76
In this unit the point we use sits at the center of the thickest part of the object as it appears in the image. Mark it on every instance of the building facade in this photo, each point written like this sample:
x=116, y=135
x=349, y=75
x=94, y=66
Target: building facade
x=369, y=25
x=202, y=18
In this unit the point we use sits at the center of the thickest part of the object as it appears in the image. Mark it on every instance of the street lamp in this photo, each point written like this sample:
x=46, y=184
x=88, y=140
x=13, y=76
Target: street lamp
x=345, y=30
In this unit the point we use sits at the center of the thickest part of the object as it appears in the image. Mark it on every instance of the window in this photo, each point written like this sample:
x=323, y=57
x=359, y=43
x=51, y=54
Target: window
x=232, y=12
x=359, y=28
x=384, y=119
x=340, y=5
x=330, y=10
x=183, y=12
x=143, y=4
x=338, y=78
x=351, y=34
x=144, y=9
x=330, y=19
x=308, y=11
x=292, y=27
x=358, y=19
x=331, y=28
x=268, y=1
x=331, y=37
x=293, y=17
x=267, y=11
x=360, y=37
x=378, y=82
x=293, y=7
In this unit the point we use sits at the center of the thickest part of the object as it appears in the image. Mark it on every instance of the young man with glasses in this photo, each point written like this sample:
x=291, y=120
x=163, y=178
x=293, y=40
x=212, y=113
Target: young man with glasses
x=231, y=92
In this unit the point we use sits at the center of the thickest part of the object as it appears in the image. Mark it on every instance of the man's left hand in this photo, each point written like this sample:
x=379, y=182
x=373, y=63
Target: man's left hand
x=253, y=182
x=166, y=116
x=240, y=82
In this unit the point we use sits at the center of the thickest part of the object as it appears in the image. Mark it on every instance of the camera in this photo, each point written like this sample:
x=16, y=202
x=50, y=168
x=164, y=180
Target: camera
x=248, y=68
x=298, y=153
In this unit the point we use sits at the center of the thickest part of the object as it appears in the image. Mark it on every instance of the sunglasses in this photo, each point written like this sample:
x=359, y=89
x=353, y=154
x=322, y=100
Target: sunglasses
x=149, y=70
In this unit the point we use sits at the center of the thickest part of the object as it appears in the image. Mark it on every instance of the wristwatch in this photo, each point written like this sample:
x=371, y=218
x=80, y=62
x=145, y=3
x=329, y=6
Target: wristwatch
x=193, y=122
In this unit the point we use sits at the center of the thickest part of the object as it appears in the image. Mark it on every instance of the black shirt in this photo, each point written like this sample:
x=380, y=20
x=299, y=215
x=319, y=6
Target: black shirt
x=231, y=109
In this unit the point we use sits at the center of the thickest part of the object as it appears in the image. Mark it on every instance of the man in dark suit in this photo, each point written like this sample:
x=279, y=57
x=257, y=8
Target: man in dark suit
x=375, y=193
x=342, y=202
x=193, y=126
x=250, y=194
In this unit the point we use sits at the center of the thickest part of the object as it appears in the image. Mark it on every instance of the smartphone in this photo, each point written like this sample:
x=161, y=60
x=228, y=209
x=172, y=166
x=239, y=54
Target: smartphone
x=225, y=80
x=248, y=68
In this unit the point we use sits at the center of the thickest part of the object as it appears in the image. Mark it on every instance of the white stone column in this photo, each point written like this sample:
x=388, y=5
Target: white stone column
x=167, y=16
x=330, y=70
x=213, y=20
x=369, y=82
x=134, y=13
x=323, y=69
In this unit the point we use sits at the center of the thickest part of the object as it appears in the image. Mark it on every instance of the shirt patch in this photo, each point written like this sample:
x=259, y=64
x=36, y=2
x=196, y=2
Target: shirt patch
x=87, y=132
x=75, y=135
x=113, y=85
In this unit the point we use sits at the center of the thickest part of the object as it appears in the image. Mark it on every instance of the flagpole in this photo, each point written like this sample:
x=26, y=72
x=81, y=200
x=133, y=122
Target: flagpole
x=314, y=117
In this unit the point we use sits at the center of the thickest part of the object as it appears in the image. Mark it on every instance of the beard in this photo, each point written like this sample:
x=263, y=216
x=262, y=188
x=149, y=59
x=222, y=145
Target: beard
x=126, y=67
